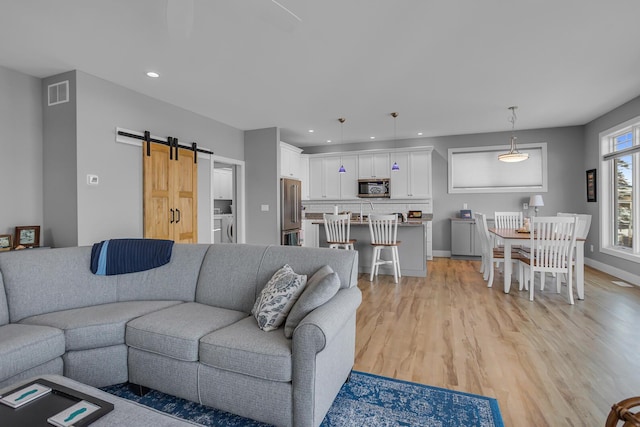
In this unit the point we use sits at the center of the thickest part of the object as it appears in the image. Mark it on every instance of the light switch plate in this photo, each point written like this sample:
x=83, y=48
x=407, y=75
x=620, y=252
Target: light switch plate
x=92, y=179
x=525, y=206
x=264, y=208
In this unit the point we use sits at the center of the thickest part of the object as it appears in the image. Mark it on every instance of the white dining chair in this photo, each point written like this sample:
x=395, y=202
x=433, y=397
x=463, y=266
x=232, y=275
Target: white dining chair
x=512, y=220
x=384, y=233
x=582, y=231
x=338, y=229
x=551, y=246
x=507, y=220
x=492, y=257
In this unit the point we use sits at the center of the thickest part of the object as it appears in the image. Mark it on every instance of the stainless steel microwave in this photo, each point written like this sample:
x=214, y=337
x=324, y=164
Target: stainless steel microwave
x=373, y=187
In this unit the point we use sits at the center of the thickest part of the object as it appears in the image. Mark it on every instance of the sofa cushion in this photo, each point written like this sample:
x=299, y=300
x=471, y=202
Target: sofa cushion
x=321, y=287
x=246, y=349
x=97, y=326
x=175, y=331
x=173, y=281
x=4, y=310
x=26, y=346
x=277, y=298
x=228, y=276
x=60, y=278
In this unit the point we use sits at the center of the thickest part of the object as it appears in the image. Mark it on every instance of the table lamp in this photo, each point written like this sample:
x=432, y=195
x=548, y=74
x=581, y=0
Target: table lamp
x=536, y=201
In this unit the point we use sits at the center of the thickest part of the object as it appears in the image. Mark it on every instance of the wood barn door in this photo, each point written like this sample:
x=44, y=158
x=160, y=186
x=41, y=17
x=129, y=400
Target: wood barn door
x=170, y=193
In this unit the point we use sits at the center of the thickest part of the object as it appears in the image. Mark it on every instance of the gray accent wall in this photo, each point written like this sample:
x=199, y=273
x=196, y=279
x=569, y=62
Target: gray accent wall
x=60, y=165
x=619, y=115
x=113, y=209
x=262, y=165
x=567, y=188
x=21, y=151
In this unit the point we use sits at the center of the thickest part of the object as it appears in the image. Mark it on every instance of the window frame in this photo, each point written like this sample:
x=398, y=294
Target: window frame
x=608, y=237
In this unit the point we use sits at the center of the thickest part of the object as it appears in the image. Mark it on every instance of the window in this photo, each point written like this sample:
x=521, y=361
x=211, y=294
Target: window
x=619, y=210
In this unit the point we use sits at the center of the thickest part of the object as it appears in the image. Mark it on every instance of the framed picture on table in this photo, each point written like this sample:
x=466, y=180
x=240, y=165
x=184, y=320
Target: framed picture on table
x=5, y=242
x=28, y=236
x=592, y=186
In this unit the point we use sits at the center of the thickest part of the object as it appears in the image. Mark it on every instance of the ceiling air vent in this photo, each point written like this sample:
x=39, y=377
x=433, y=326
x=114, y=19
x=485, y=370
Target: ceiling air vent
x=58, y=93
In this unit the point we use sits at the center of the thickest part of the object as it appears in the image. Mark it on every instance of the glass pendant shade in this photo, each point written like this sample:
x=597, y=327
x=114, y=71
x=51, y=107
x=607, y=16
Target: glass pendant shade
x=342, y=120
x=395, y=167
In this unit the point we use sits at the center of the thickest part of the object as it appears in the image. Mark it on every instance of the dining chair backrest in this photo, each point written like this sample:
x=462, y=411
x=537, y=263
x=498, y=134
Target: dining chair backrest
x=582, y=226
x=552, y=242
x=337, y=227
x=483, y=231
x=510, y=220
x=383, y=229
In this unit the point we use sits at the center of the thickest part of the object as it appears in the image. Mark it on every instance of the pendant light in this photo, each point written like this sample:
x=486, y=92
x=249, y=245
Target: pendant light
x=513, y=155
x=395, y=167
x=342, y=120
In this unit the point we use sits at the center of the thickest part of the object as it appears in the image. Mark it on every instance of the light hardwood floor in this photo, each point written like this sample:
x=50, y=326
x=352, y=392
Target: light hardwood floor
x=548, y=363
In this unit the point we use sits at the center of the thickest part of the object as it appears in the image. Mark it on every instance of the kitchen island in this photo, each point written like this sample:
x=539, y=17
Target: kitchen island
x=412, y=250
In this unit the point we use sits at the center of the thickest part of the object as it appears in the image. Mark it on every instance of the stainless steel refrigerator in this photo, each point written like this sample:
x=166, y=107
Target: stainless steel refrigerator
x=291, y=208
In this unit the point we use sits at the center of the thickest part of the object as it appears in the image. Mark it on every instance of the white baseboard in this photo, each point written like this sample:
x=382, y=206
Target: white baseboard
x=442, y=254
x=633, y=279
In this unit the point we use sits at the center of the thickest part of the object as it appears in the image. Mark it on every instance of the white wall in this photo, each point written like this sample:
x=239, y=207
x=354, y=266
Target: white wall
x=20, y=151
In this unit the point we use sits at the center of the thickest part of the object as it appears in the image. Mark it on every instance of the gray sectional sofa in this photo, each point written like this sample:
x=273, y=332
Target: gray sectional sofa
x=184, y=328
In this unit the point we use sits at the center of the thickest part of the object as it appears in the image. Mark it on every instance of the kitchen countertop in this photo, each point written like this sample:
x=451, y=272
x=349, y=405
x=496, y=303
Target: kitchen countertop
x=316, y=218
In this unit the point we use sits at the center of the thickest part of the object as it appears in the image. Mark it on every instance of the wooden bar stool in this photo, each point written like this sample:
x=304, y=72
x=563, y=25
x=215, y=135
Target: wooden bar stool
x=337, y=228
x=384, y=230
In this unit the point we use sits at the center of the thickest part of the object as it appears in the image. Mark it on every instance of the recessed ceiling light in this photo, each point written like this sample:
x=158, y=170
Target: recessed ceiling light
x=328, y=140
x=311, y=131
x=372, y=137
x=153, y=74
x=419, y=133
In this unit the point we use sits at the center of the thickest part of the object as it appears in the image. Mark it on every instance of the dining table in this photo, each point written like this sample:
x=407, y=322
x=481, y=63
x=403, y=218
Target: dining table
x=512, y=237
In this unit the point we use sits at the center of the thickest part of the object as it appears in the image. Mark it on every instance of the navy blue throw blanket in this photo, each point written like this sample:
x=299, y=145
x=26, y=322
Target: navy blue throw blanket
x=120, y=256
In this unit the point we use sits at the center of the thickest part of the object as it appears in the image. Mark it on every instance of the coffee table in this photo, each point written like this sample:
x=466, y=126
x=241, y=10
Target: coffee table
x=124, y=413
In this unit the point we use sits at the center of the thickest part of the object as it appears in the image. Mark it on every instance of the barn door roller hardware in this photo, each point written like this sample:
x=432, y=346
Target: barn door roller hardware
x=170, y=141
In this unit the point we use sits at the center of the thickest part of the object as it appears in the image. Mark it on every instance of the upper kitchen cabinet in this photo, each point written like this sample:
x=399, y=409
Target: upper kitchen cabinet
x=290, y=161
x=413, y=180
x=374, y=165
x=304, y=175
x=326, y=183
x=223, y=184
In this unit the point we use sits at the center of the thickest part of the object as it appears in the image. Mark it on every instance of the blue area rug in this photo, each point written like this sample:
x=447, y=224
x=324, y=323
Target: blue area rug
x=367, y=400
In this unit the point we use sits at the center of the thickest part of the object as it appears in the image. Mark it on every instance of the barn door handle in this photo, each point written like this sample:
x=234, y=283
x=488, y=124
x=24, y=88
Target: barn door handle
x=173, y=216
x=179, y=216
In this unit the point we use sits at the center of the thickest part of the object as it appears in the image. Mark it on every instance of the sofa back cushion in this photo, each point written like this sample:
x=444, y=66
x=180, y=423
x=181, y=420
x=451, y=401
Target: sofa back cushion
x=4, y=310
x=173, y=281
x=308, y=261
x=233, y=275
x=228, y=277
x=39, y=281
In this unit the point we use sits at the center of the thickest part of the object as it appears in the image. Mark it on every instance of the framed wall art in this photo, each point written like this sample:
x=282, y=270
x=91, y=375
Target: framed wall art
x=5, y=242
x=592, y=186
x=28, y=236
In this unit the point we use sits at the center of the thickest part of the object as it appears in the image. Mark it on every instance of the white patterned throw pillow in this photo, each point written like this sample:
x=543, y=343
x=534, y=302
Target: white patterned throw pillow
x=278, y=296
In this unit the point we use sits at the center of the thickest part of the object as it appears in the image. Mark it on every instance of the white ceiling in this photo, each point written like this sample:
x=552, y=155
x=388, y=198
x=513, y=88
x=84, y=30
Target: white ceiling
x=447, y=66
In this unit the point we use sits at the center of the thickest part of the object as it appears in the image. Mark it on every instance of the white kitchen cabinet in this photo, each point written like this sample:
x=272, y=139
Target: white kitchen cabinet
x=310, y=234
x=413, y=180
x=304, y=175
x=223, y=184
x=374, y=165
x=290, y=161
x=326, y=183
x=349, y=179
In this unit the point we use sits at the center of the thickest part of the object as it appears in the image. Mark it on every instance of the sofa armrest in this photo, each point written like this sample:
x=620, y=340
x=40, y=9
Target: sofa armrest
x=323, y=324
